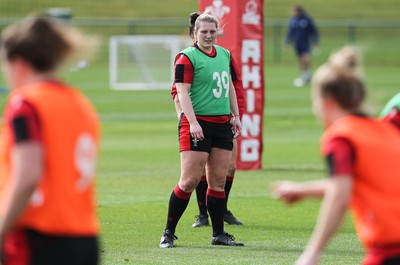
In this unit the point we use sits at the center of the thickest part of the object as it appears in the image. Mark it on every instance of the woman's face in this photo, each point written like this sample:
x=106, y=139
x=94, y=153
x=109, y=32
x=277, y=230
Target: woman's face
x=8, y=72
x=206, y=35
x=323, y=107
x=14, y=72
x=317, y=108
x=193, y=36
x=296, y=12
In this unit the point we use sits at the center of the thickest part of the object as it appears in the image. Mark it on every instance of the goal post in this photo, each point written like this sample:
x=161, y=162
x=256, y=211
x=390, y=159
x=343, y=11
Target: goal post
x=144, y=62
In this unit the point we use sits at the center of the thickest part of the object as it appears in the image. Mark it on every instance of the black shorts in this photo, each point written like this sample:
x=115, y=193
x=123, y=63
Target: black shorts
x=28, y=247
x=392, y=261
x=216, y=135
x=302, y=48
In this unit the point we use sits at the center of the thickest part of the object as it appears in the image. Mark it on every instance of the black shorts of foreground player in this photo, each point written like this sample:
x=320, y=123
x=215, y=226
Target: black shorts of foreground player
x=207, y=128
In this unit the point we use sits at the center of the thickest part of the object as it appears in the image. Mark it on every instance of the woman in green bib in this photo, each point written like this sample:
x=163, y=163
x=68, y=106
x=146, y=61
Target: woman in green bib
x=209, y=123
x=201, y=189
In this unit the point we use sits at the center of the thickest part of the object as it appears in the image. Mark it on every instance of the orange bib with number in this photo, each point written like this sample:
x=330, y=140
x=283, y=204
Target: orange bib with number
x=376, y=187
x=63, y=202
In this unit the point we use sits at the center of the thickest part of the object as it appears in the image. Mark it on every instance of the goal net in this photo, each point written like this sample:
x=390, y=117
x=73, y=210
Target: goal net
x=144, y=62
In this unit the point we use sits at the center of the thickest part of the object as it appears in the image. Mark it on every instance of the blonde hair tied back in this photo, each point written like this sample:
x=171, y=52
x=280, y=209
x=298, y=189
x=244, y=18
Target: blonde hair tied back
x=341, y=79
x=82, y=46
x=347, y=63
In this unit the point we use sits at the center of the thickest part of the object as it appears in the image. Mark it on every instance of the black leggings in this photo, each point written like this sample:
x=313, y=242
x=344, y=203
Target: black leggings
x=392, y=261
x=35, y=248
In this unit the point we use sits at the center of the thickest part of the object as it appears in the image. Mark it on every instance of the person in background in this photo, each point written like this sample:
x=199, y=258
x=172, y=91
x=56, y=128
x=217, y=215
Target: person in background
x=201, y=189
x=303, y=35
x=391, y=111
x=364, y=171
x=48, y=150
x=209, y=123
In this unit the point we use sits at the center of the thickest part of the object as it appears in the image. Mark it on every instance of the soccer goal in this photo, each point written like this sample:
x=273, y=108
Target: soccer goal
x=144, y=62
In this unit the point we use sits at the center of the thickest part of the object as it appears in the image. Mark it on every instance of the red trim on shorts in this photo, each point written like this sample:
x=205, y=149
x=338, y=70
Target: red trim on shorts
x=216, y=194
x=377, y=255
x=184, y=129
x=203, y=178
x=16, y=249
x=181, y=194
x=229, y=178
x=184, y=134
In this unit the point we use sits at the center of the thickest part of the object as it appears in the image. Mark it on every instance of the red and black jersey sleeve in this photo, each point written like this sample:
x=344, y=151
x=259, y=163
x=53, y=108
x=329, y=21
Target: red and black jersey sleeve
x=23, y=121
x=238, y=84
x=393, y=117
x=340, y=157
x=183, y=69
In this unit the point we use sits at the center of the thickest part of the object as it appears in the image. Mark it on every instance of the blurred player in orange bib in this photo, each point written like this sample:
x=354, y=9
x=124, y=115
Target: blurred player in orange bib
x=48, y=151
x=363, y=157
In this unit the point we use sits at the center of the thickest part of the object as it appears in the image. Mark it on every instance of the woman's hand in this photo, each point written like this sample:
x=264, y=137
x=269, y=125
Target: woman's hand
x=236, y=127
x=196, y=131
x=288, y=191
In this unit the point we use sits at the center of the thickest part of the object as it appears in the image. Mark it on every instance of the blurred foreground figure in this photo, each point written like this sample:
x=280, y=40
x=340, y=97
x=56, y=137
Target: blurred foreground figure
x=363, y=157
x=48, y=150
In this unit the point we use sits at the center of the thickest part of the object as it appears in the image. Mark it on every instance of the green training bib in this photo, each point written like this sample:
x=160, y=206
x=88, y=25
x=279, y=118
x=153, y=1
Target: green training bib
x=210, y=87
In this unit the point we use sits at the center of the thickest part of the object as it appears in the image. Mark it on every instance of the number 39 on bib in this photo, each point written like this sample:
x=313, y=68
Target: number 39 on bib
x=222, y=81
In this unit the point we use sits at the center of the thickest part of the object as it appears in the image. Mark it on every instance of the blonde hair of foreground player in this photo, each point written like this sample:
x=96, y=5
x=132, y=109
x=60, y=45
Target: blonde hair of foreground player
x=338, y=93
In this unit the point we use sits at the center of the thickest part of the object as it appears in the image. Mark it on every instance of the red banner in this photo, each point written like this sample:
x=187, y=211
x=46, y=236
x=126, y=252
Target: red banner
x=242, y=33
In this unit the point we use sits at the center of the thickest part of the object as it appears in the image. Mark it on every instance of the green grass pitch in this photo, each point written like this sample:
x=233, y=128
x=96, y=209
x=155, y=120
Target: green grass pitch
x=139, y=161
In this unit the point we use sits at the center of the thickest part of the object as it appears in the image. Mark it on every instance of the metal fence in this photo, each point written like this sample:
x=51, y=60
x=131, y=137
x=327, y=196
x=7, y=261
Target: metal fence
x=381, y=37
x=351, y=31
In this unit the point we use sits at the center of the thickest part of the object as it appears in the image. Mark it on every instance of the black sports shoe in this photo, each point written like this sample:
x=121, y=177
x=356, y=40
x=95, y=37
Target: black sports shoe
x=201, y=220
x=230, y=219
x=167, y=239
x=225, y=239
